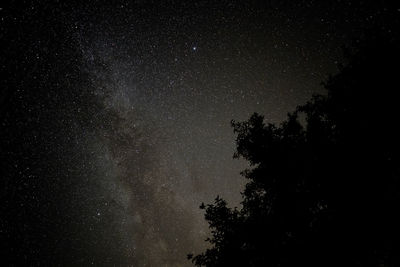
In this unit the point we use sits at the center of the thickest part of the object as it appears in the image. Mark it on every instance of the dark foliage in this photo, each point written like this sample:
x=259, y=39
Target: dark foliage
x=323, y=192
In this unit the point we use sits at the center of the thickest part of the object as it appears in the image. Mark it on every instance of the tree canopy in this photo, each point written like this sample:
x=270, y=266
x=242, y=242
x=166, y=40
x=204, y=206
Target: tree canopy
x=323, y=188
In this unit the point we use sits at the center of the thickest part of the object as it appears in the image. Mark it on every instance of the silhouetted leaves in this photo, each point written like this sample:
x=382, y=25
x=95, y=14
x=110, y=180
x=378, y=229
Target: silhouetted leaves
x=325, y=193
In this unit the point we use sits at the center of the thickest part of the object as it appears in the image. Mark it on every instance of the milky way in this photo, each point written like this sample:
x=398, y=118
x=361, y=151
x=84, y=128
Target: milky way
x=136, y=126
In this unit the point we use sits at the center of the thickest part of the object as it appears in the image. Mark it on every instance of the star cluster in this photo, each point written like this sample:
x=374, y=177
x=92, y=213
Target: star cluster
x=124, y=114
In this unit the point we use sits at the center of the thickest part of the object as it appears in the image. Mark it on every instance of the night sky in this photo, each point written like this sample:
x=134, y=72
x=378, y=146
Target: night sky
x=115, y=118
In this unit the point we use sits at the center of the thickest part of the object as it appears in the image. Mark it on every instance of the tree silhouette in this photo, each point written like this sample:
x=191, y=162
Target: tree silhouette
x=323, y=191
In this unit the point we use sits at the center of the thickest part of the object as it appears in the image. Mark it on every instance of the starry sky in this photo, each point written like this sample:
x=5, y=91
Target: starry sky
x=116, y=117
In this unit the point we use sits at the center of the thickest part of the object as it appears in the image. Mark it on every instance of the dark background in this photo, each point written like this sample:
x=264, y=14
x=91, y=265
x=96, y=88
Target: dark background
x=115, y=117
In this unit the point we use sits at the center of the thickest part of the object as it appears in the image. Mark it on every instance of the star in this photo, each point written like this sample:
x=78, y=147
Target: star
x=135, y=109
